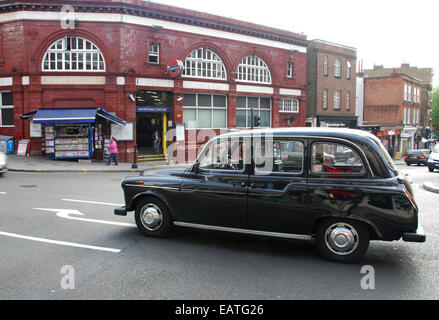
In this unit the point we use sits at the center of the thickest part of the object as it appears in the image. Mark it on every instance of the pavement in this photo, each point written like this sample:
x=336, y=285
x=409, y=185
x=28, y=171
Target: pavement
x=42, y=164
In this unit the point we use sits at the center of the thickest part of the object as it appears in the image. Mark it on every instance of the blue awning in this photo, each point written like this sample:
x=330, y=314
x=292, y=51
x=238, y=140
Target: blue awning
x=74, y=116
x=110, y=117
x=53, y=116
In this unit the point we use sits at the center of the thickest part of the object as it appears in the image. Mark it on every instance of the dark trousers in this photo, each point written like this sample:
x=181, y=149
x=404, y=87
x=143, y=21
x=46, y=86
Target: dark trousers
x=113, y=157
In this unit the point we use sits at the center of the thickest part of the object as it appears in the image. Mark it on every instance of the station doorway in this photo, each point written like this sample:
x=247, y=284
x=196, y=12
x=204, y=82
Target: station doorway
x=152, y=113
x=147, y=123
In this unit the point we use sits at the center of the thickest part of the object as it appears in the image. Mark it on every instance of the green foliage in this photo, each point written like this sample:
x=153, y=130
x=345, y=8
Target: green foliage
x=435, y=112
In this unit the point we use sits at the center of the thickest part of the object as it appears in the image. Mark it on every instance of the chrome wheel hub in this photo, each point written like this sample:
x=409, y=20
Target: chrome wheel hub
x=151, y=217
x=341, y=238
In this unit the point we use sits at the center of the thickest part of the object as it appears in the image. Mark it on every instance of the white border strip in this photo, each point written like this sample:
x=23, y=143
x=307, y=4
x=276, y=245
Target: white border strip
x=6, y=81
x=148, y=82
x=73, y=80
x=290, y=92
x=61, y=243
x=142, y=21
x=205, y=85
x=254, y=89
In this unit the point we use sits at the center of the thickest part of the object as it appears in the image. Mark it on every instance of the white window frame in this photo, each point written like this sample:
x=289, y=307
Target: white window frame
x=405, y=92
x=325, y=99
x=409, y=93
x=203, y=63
x=154, y=53
x=337, y=97
x=256, y=111
x=337, y=68
x=59, y=53
x=253, y=69
x=348, y=100
x=325, y=65
x=289, y=105
x=408, y=116
x=290, y=68
x=197, y=108
x=3, y=107
x=348, y=70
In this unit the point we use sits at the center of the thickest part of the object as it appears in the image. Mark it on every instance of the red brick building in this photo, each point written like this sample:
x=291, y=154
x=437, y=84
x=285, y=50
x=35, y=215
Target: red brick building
x=394, y=103
x=331, y=85
x=66, y=55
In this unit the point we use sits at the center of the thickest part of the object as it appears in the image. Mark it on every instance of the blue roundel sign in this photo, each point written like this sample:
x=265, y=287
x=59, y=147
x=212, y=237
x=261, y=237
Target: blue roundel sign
x=175, y=68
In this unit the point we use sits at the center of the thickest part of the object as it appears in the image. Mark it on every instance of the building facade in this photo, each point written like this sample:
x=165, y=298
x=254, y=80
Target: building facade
x=394, y=103
x=331, y=85
x=127, y=58
x=424, y=75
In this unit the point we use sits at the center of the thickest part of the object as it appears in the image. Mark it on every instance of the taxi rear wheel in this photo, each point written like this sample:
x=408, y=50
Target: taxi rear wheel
x=342, y=240
x=152, y=217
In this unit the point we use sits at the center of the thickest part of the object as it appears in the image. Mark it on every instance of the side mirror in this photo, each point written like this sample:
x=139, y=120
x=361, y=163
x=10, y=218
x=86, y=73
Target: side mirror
x=196, y=167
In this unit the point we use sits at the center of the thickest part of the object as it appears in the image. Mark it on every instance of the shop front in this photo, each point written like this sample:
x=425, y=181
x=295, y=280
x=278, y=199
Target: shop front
x=391, y=139
x=77, y=133
x=334, y=121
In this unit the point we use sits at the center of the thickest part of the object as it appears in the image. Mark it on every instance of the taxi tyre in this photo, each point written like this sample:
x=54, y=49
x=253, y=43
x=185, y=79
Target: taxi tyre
x=357, y=229
x=153, y=218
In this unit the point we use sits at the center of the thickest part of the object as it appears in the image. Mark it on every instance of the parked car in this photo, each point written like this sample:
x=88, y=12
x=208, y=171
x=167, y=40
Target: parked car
x=3, y=161
x=340, y=202
x=433, y=160
x=417, y=157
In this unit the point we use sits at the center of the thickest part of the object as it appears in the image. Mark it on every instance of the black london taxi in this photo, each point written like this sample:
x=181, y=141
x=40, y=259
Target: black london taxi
x=336, y=187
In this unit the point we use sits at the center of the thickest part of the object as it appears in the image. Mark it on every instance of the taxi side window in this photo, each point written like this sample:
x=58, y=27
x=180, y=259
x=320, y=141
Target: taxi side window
x=224, y=154
x=279, y=155
x=333, y=158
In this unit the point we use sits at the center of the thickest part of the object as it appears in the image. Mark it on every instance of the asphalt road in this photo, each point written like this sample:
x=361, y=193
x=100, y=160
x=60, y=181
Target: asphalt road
x=42, y=231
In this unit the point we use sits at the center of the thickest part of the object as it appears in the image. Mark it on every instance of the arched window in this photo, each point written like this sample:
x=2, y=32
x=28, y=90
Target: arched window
x=253, y=69
x=73, y=54
x=204, y=63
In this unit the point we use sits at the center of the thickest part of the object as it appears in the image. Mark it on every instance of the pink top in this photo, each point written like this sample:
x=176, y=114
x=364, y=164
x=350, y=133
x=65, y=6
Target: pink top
x=112, y=148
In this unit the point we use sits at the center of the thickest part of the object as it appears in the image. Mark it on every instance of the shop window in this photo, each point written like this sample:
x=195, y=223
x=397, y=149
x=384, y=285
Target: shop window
x=73, y=54
x=253, y=69
x=261, y=108
x=332, y=158
x=6, y=109
x=289, y=105
x=204, y=63
x=154, y=52
x=204, y=111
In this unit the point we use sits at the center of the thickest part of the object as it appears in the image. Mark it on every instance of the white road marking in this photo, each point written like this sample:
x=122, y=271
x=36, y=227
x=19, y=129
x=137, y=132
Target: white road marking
x=67, y=214
x=61, y=243
x=94, y=202
x=2, y=192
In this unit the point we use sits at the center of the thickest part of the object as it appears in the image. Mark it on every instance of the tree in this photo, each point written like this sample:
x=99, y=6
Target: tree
x=435, y=112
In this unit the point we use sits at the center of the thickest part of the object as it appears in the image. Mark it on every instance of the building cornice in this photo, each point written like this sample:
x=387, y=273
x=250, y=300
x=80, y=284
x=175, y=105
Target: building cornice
x=160, y=12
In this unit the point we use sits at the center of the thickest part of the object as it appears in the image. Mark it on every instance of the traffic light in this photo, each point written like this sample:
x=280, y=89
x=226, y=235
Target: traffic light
x=257, y=122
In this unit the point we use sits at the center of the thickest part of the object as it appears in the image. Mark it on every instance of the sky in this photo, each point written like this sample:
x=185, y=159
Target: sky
x=385, y=32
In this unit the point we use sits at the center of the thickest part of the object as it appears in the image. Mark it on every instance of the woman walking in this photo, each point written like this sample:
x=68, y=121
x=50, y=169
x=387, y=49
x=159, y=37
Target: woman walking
x=112, y=149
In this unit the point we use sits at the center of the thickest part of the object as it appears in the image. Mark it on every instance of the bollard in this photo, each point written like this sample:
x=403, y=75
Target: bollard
x=134, y=165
